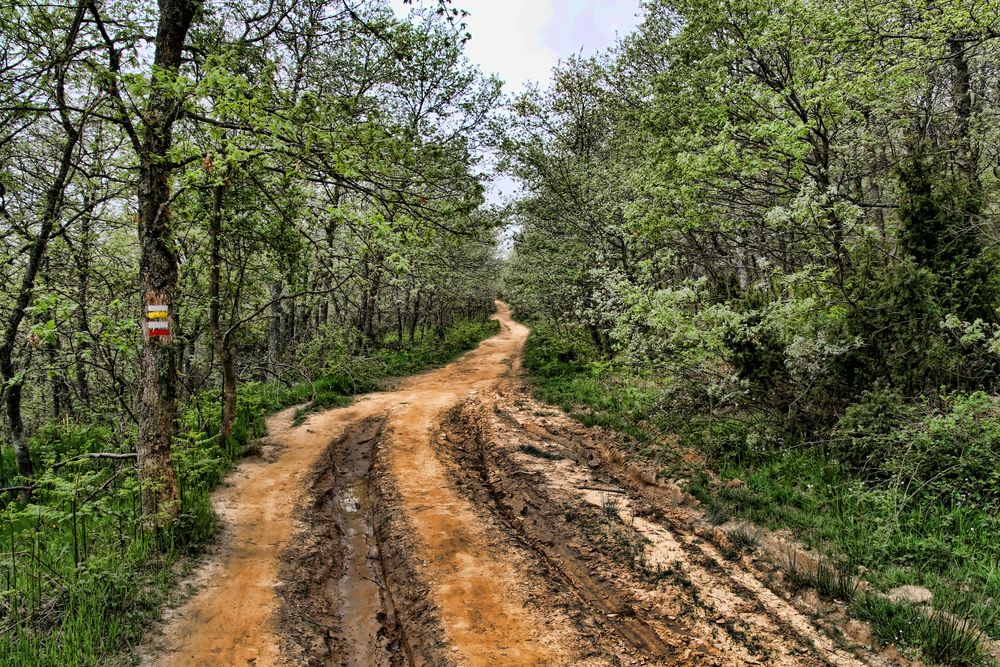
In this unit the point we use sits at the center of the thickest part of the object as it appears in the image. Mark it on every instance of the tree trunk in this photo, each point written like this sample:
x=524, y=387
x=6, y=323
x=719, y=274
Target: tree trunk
x=965, y=154
x=158, y=267
x=371, y=302
x=228, y=391
x=12, y=397
x=274, y=329
x=415, y=318
x=220, y=340
x=83, y=299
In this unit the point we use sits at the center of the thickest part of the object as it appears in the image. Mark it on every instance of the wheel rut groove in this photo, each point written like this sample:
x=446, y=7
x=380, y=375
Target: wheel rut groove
x=336, y=608
x=521, y=505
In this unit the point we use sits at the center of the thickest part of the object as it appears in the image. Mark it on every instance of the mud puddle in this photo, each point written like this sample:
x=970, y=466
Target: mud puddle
x=335, y=609
x=360, y=593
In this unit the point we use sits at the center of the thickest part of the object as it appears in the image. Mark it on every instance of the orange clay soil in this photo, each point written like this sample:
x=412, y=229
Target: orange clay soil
x=411, y=528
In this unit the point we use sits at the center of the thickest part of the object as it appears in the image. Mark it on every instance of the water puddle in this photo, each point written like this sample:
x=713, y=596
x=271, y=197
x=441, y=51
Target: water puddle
x=360, y=596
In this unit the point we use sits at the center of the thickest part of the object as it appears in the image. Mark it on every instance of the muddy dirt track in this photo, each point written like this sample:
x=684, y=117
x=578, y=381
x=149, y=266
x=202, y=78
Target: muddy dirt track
x=454, y=521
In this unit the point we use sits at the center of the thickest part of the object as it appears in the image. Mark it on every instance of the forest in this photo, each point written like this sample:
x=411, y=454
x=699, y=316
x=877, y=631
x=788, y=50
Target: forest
x=295, y=181
x=756, y=239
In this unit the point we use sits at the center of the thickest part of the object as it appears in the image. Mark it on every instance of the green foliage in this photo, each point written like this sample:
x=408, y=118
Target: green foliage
x=947, y=453
x=570, y=372
x=938, y=214
x=82, y=571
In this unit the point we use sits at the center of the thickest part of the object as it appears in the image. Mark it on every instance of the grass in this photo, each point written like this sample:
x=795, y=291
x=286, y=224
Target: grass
x=742, y=539
x=899, y=538
x=940, y=637
x=81, y=572
x=827, y=579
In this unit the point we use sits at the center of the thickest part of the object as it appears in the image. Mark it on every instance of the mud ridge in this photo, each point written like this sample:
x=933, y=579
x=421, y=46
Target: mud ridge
x=417, y=618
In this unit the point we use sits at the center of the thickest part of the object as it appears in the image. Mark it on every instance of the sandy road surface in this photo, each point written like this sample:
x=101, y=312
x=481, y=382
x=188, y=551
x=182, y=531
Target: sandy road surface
x=453, y=521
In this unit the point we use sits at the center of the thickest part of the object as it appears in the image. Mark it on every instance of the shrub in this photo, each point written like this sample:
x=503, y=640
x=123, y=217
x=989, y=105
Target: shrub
x=948, y=452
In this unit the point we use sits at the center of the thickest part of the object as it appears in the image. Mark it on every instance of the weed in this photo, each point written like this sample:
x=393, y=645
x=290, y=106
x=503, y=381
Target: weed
x=942, y=638
x=829, y=581
x=717, y=515
x=611, y=506
x=741, y=540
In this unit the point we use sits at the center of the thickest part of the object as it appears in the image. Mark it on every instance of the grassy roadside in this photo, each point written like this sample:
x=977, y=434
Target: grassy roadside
x=895, y=534
x=81, y=573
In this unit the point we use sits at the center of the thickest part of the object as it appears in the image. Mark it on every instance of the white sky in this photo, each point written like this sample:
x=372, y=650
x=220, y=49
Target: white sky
x=522, y=39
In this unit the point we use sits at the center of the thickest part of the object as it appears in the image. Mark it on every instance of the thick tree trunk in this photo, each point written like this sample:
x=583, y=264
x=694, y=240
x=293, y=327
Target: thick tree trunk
x=158, y=267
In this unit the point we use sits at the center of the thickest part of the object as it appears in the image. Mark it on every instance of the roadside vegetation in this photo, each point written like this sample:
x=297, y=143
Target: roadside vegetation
x=759, y=240
x=906, y=526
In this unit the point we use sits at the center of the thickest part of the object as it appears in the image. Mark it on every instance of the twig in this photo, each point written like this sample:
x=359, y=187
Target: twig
x=606, y=489
x=95, y=455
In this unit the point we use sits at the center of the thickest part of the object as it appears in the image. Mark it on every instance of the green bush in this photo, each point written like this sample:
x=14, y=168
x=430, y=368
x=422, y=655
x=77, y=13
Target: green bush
x=946, y=452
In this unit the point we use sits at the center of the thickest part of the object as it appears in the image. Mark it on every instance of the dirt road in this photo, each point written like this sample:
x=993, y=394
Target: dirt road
x=454, y=521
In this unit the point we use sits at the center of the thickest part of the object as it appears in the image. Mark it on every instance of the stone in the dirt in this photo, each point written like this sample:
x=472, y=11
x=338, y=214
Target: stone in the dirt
x=914, y=594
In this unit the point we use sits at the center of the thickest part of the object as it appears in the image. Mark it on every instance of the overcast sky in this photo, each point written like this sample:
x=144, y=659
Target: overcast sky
x=522, y=39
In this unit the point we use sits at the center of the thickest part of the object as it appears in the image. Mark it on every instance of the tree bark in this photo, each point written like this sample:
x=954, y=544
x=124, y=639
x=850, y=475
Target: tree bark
x=158, y=267
x=274, y=329
x=965, y=154
x=83, y=301
x=415, y=318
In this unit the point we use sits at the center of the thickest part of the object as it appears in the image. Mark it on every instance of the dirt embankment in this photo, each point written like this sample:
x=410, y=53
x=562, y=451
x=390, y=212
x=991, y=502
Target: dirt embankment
x=453, y=521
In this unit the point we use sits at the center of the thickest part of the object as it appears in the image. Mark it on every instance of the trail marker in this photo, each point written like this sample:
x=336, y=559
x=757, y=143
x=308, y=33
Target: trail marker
x=157, y=321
